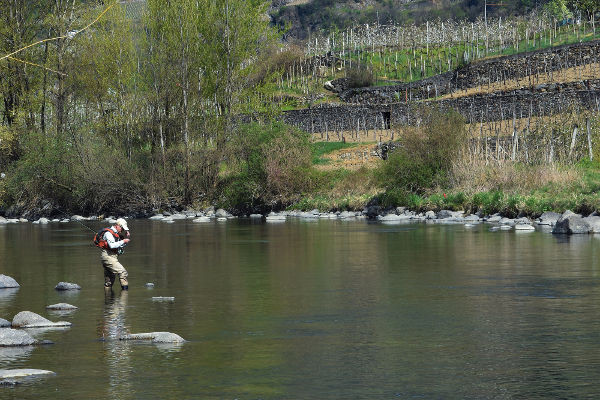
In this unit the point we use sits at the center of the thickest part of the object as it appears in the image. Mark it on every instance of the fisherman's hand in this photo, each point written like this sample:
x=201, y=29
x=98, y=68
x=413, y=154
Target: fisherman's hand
x=126, y=241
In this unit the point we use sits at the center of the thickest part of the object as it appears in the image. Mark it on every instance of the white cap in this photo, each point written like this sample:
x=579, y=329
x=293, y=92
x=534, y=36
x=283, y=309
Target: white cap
x=122, y=223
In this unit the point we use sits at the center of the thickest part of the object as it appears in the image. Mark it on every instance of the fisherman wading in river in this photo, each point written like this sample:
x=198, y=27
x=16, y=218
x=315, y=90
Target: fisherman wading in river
x=112, y=240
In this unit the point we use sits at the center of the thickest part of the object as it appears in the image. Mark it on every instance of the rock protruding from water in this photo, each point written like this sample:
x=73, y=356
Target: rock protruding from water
x=8, y=282
x=594, y=223
x=14, y=337
x=67, y=286
x=149, y=285
x=4, y=323
x=548, y=218
x=155, y=337
x=15, y=376
x=570, y=223
x=61, y=306
x=28, y=319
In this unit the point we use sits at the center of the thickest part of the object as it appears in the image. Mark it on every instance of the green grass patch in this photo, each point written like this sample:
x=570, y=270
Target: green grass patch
x=319, y=149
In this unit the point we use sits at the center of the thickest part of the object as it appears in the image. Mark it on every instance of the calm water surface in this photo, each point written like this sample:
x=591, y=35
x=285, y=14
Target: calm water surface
x=311, y=310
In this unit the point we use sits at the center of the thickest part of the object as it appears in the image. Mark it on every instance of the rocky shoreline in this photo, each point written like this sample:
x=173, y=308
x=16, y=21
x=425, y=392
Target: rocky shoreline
x=565, y=223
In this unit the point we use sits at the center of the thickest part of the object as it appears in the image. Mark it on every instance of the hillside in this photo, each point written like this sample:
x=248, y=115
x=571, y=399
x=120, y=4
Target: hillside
x=303, y=18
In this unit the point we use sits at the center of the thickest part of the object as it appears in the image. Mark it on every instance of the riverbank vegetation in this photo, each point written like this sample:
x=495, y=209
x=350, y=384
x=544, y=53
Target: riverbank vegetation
x=179, y=107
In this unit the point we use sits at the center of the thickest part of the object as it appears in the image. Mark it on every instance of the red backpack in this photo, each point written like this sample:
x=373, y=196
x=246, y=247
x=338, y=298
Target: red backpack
x=99, y=238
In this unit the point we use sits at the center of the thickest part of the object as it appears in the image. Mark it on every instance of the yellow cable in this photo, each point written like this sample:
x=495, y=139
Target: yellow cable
x=36, y=65
x=63, y=36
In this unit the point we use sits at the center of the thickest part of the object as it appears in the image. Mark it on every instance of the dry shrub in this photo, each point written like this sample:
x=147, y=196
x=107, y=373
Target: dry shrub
x=479, y=176
x=286, y=160
x=275, y=60
x=359, y=182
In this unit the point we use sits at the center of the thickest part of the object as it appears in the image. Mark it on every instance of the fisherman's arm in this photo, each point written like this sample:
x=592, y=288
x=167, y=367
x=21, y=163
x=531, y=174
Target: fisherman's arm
x=112, y=243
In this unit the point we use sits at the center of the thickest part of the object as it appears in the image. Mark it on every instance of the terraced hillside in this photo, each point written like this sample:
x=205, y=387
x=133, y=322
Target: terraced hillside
x=529, y=105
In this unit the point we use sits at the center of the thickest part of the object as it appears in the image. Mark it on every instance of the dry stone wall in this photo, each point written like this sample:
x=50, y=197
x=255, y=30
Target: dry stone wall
x=548, y=100
x=499, y=69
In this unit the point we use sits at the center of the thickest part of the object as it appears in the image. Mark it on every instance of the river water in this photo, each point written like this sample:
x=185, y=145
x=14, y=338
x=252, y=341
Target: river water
x=310, y=310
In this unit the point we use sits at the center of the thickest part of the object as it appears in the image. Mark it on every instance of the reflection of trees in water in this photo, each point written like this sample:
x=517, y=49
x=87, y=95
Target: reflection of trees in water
x=117, y=353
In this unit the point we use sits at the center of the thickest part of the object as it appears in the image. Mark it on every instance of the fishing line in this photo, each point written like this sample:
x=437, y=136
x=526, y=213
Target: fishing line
x=68, y=35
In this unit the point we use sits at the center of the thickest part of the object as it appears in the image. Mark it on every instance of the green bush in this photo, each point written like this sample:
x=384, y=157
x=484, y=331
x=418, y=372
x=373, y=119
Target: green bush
x=268, y=164
x=424, y=159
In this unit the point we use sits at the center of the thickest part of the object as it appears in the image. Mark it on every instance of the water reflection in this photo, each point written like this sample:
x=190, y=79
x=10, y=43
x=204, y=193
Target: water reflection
x=320, y=309
x=68, y=294
x=9, y=355
x=39, y=332
x=7, y=295
x=169, y=347
x=116, y=353
x=61, y=313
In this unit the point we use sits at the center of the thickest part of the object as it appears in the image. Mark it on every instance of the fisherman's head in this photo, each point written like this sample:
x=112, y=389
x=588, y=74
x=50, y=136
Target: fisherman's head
x=121, y=226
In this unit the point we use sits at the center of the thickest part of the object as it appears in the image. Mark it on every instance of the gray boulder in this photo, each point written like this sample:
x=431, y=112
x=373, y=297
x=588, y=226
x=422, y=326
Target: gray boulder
x=155, y=337
x=2, y=220
x=443, y=214
x=15, y=337
x=548, y=218
x=430, y=215
x=28, y=319
x=593, y=222
x=149, y=285
x=220, y=213
x=4, y=323
x=67, y=286
x=61, y=306
x=7, y=282
x=570, y=223
x=494, y=218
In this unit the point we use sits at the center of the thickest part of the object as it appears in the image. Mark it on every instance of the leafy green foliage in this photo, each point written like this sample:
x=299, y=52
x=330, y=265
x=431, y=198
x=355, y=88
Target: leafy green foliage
x=269, y=164
x=425, y=157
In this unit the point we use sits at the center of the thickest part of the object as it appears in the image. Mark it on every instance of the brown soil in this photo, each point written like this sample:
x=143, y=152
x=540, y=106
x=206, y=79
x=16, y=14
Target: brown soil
x=590, y=71
x=352, y=158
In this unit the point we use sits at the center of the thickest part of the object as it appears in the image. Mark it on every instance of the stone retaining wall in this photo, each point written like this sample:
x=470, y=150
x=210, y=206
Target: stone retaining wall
x=499, y=69
x=550, y=99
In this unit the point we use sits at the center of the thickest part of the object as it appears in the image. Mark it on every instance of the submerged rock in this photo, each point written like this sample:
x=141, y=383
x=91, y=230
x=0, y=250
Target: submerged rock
x=67, y=286
x=524, y=227
x=62, y=306
x=28, y=319
x=14, y=376
x=7, y=282
x=155, y=337
x=163, y=299
x=14, y=337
